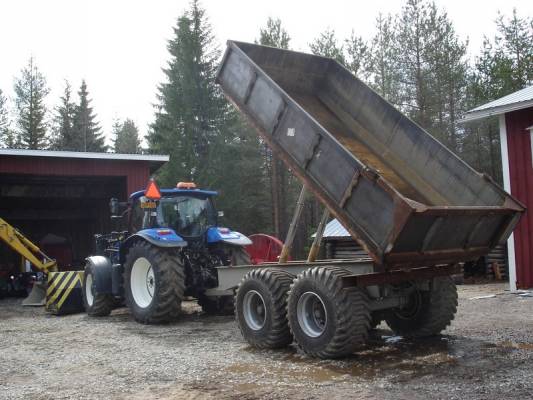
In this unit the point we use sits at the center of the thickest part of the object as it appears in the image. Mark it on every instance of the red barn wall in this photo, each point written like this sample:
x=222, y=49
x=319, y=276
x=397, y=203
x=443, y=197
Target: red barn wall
x=521, y=180
x=136, y=172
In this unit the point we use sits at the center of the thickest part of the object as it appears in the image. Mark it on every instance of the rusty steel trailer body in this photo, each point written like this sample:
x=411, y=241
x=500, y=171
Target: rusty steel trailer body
x=416, y=208
x=403, y=195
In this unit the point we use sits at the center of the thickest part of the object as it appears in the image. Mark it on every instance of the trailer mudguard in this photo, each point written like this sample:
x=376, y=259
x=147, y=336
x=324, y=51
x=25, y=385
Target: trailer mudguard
x=225, y=235
x=103, y=274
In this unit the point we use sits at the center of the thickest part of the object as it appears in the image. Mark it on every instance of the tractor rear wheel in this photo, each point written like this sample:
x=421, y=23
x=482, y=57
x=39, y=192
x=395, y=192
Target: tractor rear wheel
x=154, y=283
x=327, y=320
x=261, y=308
x=428, y=312
x=96, y=304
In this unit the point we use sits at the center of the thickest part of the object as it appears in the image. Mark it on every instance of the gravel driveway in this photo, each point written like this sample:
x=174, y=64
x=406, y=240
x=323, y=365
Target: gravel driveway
x=485, y=354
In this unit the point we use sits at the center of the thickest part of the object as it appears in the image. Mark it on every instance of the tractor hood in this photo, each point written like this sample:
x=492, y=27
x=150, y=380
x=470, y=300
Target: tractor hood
x=226, y=235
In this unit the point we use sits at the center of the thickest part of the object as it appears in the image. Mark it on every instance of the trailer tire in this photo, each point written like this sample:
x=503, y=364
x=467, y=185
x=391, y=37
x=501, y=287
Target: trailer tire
x=327, y=320
x=96, y=304
x=261, y=308
x=154, y=283
x=429, y=312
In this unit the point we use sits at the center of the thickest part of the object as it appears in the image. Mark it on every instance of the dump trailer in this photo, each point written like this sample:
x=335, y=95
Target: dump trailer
x=417, y=209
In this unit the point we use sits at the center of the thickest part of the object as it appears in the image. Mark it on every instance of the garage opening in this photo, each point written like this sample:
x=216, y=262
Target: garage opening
x=61, y=214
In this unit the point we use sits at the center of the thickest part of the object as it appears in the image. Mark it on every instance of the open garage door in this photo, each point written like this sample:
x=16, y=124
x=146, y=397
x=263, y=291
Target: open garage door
x=60, y=213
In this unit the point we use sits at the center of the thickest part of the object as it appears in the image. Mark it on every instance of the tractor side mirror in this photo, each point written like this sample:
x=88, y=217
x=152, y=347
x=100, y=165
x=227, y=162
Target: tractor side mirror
x=114, y=207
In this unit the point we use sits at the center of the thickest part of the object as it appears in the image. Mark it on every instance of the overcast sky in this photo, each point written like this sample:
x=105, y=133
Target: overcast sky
x=119, y=46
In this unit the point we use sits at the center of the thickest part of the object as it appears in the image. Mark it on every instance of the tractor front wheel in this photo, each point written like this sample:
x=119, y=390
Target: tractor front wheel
x=154, y=283
x=96, y=304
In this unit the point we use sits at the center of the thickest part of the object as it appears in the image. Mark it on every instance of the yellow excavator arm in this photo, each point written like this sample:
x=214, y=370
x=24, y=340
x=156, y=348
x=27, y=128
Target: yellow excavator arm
x=22, y=245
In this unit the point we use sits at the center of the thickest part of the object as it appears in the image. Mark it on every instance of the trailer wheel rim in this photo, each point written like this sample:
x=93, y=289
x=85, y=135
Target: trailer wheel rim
x=89, y=296
x=142, y=282
x=312, y=314
x=254, y=310
x=412, y=308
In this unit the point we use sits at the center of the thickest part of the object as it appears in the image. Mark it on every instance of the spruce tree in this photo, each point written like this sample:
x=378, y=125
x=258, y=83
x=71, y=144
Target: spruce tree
x=87, y=135
x=30, y=92
x=65, y=138
x=191, y=116
x=7, y=139
x=206, y=139
x=126, y=137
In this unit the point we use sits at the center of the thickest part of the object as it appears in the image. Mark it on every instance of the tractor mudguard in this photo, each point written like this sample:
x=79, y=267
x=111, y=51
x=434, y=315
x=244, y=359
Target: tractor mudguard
x=225, y=235
x=103, y=274
x=159, y=237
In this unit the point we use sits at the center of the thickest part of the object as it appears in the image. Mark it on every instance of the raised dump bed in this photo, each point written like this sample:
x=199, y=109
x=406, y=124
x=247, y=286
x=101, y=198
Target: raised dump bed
x=399, y=192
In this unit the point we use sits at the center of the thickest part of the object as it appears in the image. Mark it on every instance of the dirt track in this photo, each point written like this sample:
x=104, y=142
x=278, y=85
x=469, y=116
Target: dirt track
x=486, y=354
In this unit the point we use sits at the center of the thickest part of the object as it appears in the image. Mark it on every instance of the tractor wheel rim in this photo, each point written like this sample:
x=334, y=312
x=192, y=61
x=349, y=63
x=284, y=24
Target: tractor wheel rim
x=142, y=282
x=312, y=314
x=254, y=310
x=89, y=295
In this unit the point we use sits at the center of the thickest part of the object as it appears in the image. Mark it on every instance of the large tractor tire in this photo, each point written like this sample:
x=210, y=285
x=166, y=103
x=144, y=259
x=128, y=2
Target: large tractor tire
x=96, y=304
x=326, y=320
x=224, y=305
x=154, y=283
x=428, y=312
x=261, y=308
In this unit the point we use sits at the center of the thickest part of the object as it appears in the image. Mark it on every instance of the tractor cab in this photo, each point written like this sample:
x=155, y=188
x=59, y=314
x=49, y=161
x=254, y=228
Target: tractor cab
x=182, y=213
x=186, y=210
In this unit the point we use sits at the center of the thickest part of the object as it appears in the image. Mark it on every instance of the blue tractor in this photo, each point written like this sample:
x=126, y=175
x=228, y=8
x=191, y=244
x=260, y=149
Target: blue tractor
x=170, y=250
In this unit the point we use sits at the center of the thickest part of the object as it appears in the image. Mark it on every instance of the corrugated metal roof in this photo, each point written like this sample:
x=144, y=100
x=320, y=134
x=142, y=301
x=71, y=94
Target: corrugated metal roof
x=512, y=102
x=83, y=154
x=334, y=229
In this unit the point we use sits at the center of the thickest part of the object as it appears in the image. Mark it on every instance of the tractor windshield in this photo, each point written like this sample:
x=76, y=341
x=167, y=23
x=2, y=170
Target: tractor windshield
x=189, y=216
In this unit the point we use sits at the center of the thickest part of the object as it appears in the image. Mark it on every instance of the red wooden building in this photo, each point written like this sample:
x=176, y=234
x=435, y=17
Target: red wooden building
x=515, y=112
x=65, y=195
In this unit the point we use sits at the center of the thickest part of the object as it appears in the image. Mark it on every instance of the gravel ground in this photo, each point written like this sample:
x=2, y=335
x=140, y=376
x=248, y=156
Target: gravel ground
x=485, y=354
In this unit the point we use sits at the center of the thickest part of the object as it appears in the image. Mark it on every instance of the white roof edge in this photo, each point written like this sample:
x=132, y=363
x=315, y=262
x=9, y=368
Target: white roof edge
x=84, y=155
x=489, y=112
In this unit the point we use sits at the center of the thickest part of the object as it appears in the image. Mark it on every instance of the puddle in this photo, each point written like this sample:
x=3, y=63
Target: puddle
x=382, y=357
x=513, y=345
